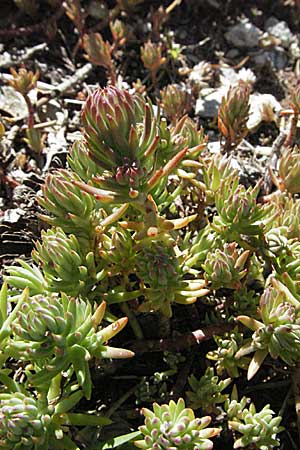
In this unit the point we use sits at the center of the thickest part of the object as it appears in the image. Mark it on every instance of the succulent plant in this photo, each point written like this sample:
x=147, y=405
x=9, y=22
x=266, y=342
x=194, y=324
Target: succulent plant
x=163, y=281
x=214, y=170
x=35, y=139
x=26, y=276
x=204, y=241
x=56, y=333
x=238, y=211
x=245, y=300
x=233, y=115
x=175, y=101
x=33, y=422
x=71, y=208
x=224, y=355
x=65, y=268
x=99, y=53
x=207, y=391
x=122, y=137
x=295, y=99
x=117, y=250
x=258, y=429
x=174, y=426
x=22, y=424
x=23, y=81
x=279, y=331
x=119, y=32
x=225, y=267
x=277, y=242
x=289, y=171
x=151, y=55
x=288, y=215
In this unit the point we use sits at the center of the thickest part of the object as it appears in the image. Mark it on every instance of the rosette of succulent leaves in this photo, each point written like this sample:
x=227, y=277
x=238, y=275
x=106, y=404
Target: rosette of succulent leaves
x=120, y=229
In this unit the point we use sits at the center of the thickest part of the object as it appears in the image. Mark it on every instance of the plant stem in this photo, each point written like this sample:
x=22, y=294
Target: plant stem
x=116, y=405
x=182, y=342
x=133, y=322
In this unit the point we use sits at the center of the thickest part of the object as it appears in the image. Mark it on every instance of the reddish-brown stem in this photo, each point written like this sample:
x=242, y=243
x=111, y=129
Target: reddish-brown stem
x=112, y=74
x=180, y=342
x=30, y=120
x=293, y=126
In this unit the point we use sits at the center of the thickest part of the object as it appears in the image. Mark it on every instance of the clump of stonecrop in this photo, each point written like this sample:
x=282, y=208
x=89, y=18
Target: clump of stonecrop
x=31, y=422
x=238, y=210
x=233, y=115
x=225, y=267
x=175, y=426
x=206, y=391
x=175, y=101
x=22, y=424
x=224, y=355
x=117, y=217
x=257, y=428
x=56, y=337
x=58, y=334
x=278, y=332
x=288, y=171
x=118, y=181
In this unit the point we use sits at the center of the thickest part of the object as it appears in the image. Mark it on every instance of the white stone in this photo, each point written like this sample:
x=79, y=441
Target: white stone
x=243, y=35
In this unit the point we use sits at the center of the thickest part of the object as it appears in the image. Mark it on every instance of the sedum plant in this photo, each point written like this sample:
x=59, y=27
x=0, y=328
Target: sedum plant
x=214, y=170
x=122, y=139
x=57, y=334
x=207, y=391
x=224, y=355
x=143, y=220
x=225, y=268
x=99, y=53
x=238, y=211
x=175, y=101
x=151, y=56
x=233, y=115
x=257, y=429
x=278, y=332
x=64, y=267
x=289, y=171
x=159, y=268
x=175, y=426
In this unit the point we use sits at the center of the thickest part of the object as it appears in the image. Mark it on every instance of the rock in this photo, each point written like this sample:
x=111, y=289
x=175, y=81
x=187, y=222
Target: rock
x=243, y=35
x=263, y=108
x=280, y=30
x=214, y=147
x=207, y=105
x=12, y=215
x=294, y=50
x=232, y=53
x=13, y=103
x=277, y=57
